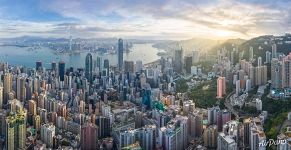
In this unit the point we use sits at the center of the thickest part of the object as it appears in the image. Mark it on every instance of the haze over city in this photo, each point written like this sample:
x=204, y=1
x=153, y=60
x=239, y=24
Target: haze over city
x=145, y=74
x=150, y=19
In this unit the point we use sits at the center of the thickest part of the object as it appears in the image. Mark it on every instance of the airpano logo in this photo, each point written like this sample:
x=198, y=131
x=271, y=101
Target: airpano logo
x=271, y=142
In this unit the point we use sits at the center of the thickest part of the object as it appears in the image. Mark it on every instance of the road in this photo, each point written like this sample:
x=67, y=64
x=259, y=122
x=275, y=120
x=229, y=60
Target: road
x=229, y=106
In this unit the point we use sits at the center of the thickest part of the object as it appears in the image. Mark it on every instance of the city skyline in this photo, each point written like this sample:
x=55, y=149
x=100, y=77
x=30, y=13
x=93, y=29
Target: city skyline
x=176, y=20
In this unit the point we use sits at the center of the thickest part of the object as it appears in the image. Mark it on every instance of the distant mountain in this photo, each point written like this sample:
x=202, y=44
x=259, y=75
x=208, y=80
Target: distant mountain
x=36, y=39
x=260, y=45
x=189, y=45
x=200, y=44
x=30, y=39
x=228, y=44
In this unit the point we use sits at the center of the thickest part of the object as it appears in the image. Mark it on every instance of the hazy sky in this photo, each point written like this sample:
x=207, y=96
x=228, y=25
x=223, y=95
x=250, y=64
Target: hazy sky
x=149, y=19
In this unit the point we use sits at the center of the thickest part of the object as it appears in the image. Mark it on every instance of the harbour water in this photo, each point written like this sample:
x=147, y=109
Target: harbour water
x=27, y=57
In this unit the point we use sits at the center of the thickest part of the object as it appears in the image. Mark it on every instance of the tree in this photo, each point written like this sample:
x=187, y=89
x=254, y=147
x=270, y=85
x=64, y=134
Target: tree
x=181, y=86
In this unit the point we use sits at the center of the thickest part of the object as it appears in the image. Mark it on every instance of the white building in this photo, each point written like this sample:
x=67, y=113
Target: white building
x=259, y=104
x=194, y=70
x=47, y=134
x=226, y=142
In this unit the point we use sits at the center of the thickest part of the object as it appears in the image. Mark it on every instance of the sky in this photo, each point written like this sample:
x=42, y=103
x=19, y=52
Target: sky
x=145, y=19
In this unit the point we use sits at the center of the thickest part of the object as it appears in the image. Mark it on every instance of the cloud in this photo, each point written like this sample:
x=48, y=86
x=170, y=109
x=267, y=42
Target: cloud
x=153, y=18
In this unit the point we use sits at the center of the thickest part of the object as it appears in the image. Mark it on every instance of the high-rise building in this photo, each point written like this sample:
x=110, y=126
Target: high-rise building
x=147, y=137
x=188, y=64
x=47, y=134
x=146, y=98
x=222, y=118
x=38, y=66
x=252, y=75
x=286, y=71
x=88, y=67
x=16, y=130
x=251, y=54
x=104, y=128
x=98, y=63
x=138, y=66
x=7, y=87
x=276, y=73
x=120, y=54
x=174, y=136
x=196, y=124
x=54, y=66
x=212, y=113
x=274, y=51
x=210, y=137
x=128, y=66
x=260, y=75
x=246, y=132
x=106, y=66
x=259, y=61
x=248, y=85
x=232, y=57
x=36, y=122
x=88, y=136
x=21, y=90
x=264, y=74
x=32, y=107
x=126, y=138
x=257, y=135
x=178, y=64
x=62, y=70
x=237, y=87
x=195, y=56
x=221, y=87
x=226, y=142
x=1, y=95
x=43, y=116
x=268, y=57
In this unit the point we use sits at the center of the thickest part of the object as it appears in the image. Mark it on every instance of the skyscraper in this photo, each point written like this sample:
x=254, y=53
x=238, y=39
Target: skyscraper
x=106, y=66
x=188, y=64
x=88, y=67
x=128, y=66
x=274, y=51
x=146, y=98
x=251, y=54
x=32, y=107
x=286, y=71
x=20, y=89
x=268, y=57
x=47, y=133
x=138, y=66
x=62, y=70
x=16, y=130
x=54, y=66
x=195, y=56
x=226, y=142
x=147, y=137
x=259, y=61
x=222, y=117
x=38, y=66
x=276, y=73
x=88, y=136
x=103, y=124
x=1, y=95
x=178, y=64
x=221, y=87
x=98, y=63
x=7, y=87
x=210, y=136
x=120, y=54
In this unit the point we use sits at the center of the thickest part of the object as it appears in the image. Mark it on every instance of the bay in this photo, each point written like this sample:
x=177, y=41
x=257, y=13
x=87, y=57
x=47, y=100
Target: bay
x=24, y=57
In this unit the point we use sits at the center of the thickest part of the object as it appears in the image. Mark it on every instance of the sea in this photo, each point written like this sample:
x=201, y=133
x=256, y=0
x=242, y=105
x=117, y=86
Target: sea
x=25, y=56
